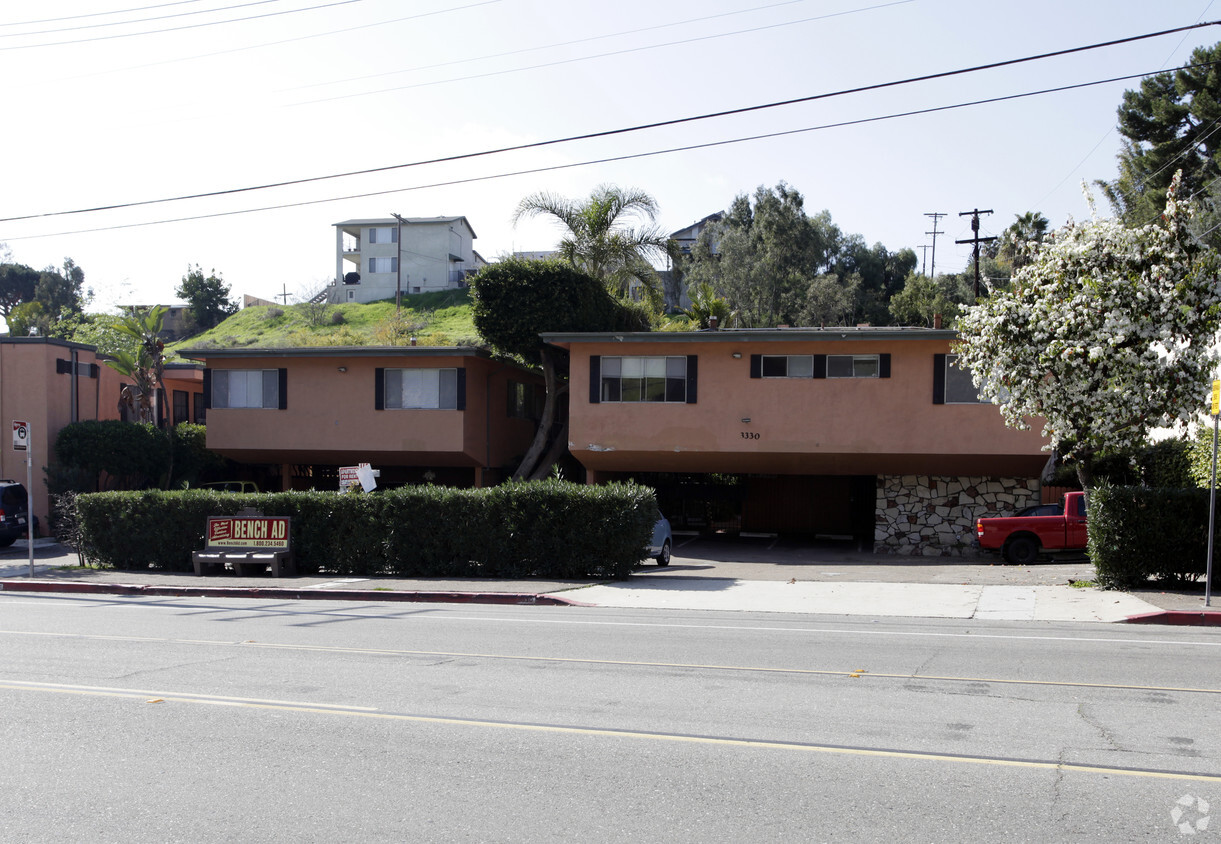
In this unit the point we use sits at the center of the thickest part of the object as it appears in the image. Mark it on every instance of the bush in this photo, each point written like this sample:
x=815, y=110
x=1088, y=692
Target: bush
x=546, y=528
x=1138, y=533
x=133, y=455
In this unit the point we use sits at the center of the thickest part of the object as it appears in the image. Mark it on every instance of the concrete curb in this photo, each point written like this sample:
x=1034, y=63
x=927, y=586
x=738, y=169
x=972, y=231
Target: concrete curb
x=1187, y=618
x=285, y=594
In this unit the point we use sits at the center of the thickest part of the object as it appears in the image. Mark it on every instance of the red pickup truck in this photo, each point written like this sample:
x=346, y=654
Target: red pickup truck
x=1022, y=538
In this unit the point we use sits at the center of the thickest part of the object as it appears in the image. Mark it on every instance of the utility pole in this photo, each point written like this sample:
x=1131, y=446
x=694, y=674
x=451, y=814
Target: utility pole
x=936, y=215
x=398, y=264
x=283, y=295
x=924, y=247
x=976, y=240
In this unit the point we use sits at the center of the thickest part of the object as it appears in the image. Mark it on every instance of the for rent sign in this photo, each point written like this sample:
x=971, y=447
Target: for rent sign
x=248, y=532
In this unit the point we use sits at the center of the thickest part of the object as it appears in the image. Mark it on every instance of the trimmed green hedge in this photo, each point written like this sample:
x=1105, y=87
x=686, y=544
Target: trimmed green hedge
x=1138, y=533
x=546, y=528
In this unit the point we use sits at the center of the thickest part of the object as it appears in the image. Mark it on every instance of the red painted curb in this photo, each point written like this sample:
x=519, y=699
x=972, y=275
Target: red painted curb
x=1194, y=618
x=284, y=594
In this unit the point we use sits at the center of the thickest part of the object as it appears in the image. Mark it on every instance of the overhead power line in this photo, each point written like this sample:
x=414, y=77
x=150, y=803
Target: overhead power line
x=589, y=162
x=138, y=20
x=181, y=28
x=639, y=128
x=101, y=14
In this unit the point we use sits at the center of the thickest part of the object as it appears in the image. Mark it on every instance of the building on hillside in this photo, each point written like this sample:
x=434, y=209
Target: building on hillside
x=377, y=257
x=538, y=255
x=417, y=414
x=867, y=433
x=672, y=281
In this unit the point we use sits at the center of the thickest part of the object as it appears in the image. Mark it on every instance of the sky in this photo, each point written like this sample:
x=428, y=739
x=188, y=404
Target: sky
x=131, y=102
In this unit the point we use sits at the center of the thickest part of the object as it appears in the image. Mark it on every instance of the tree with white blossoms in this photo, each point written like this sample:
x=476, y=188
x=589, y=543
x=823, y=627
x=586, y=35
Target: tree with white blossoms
x=1106, y=333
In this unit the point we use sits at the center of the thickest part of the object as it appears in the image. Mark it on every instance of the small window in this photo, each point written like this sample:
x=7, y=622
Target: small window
x=853, y=366
x=421, y=389
x=644, y=379
x=232, y=388
x=959, y=386
x=384, y=235
x=788, y=366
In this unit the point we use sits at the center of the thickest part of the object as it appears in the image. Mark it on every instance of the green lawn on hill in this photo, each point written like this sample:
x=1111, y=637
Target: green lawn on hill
x=434, y=319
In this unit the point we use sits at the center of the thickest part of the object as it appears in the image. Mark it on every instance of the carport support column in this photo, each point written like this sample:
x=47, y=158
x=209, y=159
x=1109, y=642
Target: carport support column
x=592, y=477
x=286, y=477
x=478, y=477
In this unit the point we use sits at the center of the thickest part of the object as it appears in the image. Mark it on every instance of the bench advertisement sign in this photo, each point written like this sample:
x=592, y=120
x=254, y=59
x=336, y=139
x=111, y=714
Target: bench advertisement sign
x=248, y=532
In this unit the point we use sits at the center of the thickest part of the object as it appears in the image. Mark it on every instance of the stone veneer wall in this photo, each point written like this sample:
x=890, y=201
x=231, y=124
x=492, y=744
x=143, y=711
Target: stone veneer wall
x=934, y=516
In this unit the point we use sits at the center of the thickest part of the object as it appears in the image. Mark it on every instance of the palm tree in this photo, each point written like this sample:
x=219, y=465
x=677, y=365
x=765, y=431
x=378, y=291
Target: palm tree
x=1016, y=242
x=613, y=235
x=144, y=363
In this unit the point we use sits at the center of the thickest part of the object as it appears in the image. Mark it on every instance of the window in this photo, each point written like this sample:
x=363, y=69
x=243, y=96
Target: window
x=182, y=412
x=383, y=265
x=524, y=401
x=248, y=388
x=952, y=385
x=200, y=415
x=787, y=366
x=384, y=235
x=641, y=379
x=422, y=389
x=853, y=366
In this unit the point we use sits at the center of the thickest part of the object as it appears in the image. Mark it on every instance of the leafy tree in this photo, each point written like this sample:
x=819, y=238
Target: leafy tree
x=879, y=273
x=207, y=296
x=1018, y=241
x=923, y=298
x=830, y=300
x=29, y=319
x=1105, y=335
x=613, y=235
x=61, y=292
x=1169, y=124
x=514, y=301
x=17, y=285
x=102, y=331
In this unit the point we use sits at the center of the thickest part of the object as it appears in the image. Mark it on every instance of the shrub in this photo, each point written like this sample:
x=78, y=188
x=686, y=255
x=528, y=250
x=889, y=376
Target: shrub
x=1138, y=533
x=541, y=528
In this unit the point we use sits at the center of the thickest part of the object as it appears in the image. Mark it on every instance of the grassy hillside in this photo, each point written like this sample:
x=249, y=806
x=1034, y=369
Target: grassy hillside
x=434, y=319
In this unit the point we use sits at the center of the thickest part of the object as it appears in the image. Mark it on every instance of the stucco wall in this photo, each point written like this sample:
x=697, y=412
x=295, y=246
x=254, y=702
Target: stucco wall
x=935, y=516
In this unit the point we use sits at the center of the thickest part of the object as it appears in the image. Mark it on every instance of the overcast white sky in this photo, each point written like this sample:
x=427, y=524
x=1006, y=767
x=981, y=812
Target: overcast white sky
x=101, y=116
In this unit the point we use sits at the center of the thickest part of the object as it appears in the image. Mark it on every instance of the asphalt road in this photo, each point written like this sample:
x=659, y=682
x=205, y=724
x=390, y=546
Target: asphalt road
x=135, y=719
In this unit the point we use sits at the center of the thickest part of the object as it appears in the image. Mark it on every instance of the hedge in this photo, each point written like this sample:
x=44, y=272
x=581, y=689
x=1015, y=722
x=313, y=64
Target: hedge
x=546, y=528
x=1137, y=533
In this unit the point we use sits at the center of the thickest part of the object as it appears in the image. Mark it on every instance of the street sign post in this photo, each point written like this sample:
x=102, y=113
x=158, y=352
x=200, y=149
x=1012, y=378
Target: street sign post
x=21, y=442
x=1212, y=497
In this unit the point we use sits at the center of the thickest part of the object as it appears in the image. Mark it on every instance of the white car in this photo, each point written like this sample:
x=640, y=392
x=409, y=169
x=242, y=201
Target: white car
x=662, y=543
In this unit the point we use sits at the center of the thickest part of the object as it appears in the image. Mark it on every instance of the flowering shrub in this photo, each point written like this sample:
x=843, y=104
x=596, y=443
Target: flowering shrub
x=1105, y=334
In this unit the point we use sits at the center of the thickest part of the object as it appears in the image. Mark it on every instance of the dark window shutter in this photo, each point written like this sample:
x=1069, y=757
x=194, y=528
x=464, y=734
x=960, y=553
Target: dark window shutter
x=207, y=388
x=283, y=385
x=93, y=370
x=379, y=389
x=820, y=366
x=461, y=398
x=62, y=366
x=756, y=366
x=595, y=379
x=938, y=379
x=692, y=378
x=883, y=366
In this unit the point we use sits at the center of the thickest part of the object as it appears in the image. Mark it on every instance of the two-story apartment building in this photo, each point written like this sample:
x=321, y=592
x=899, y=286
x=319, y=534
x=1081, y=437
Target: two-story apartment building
x=452, y=415
x=377, y=257
x=872, y=433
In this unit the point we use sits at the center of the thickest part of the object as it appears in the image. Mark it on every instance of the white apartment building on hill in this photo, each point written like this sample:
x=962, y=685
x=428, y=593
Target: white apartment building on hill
x=376, y=257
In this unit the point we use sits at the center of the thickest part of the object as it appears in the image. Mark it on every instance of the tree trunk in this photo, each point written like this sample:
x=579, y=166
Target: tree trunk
x=558, y=445
x=530, y=461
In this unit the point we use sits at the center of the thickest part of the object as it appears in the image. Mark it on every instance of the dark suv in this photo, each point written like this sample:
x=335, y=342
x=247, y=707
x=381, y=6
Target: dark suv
x=13, y=502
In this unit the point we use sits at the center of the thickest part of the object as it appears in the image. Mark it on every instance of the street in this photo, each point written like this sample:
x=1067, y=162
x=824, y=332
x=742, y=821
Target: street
x=142, y=719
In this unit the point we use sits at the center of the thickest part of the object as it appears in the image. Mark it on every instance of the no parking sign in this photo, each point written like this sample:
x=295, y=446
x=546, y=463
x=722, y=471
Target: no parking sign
x=21, y=435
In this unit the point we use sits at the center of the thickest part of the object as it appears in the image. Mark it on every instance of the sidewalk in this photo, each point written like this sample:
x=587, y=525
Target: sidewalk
x=834, y=583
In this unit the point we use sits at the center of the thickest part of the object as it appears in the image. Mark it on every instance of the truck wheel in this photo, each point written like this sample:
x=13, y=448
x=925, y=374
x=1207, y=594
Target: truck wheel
x=1021, y=551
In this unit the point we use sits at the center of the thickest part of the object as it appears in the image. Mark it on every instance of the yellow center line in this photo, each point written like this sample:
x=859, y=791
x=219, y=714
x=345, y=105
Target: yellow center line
x=556, y=729
x=693, y=666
